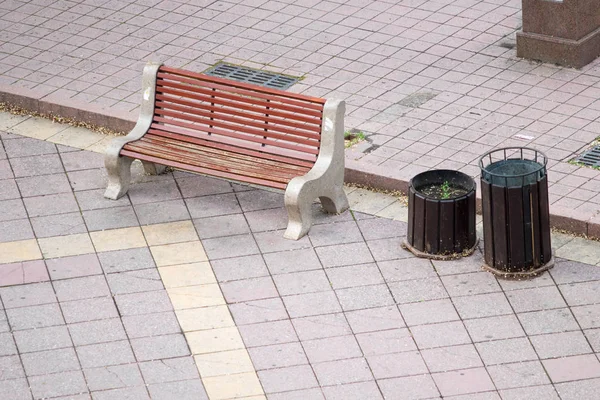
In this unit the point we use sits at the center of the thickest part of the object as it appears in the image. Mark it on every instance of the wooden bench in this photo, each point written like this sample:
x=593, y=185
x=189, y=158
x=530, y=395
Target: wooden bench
x=239, y=132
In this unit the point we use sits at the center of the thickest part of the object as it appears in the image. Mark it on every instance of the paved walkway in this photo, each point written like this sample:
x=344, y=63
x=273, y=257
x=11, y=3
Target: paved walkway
x=432, y=83
x=186, y=289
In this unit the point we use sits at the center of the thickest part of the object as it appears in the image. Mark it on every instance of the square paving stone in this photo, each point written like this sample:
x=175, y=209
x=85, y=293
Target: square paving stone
x=265, y=220
x=593, y=336
x=335, y=233
x=105, y=354
x=529, y=373
x=259, y=200
x=235, y=268
x=231, y=246
x=451, y=358
x=362, y=297
x=135, y=392
x=292, y=261
x=573, y=271
x=533, y=392
x=321, y=326
x=548, y=321
x=183, y=390
x=17, y=389
x=572, y=368
x=418, y=290
x=194, y=185
x=27, y=295
x=23, y=272
x=60, y=384
x=579, y=294
x=344, y=254
x=483, y=305
x=89, y=309
x=506, y=351
x=35, y=316
x=381, y=228
x=331, y=349
x=386, y=342
x=11, y=369
x=249, y=289
x=16, y=229
x=304, y=305
x=81, y=288
x=470, y=284
x=50, y=362
x=375, y=319
x=143, y=303
x=12, y=209
x=343, y=371
x=36, y=165
x=58, y=225
x=5, y=170
x=396, y=365
x=272, y=241
x=31, y=340
x=23, y=147
x=43, y=185
x=151, y=192
x=277, y=356
x=463, y=381
x=153, y=348
x=355, y=275
x=535, y=299
x=388, y=249
x=413, y=387
x=169, y=370
x=587, y=316
x=440, y=335
x=113, y=377
x=302, y=282
x=540, y=281
x=77, y=160
x=252, y=312
x=306, y=394
x=110, y=218
x=9, y=189
x=143, y=280
x=212, y=206
x=353, y=391
x=151, y=324
x=563, y=344
x=74, y=266
x=268, y=333
x=94, y=200
x=100, y=331
x=126, y=260
x=7, y=345
x=460, y=266
x=287, y=379
x=406, y=269
x=51, y=204
x=162, y=212
x=586, y=389
x=494, y=328
x=428, y=312
x=87, y=179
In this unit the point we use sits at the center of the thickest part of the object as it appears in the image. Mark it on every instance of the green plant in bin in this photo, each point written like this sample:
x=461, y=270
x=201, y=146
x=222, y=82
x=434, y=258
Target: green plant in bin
x=445, y=190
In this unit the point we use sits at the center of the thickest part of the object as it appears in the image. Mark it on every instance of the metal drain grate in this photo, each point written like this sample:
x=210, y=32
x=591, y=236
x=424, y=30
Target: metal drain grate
x=591, y=158
x=250, y=75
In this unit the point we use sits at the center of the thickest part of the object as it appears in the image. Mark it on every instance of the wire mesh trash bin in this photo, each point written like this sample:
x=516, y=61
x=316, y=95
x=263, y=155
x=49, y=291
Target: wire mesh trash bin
x=516, y=214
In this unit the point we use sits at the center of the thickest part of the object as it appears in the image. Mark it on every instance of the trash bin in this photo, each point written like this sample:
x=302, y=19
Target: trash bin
x=516, y=214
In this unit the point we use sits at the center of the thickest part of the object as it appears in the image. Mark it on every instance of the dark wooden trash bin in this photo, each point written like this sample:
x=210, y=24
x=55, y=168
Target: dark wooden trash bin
x=441, y=227
x=516, y=214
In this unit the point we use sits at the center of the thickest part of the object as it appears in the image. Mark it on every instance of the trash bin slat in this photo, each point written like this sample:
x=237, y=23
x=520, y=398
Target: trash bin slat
x=516, y=239
x=500, y=240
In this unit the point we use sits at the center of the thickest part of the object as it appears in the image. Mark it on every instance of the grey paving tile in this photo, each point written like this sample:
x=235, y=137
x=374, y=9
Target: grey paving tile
x=361, y=297
x=305, y=394
x=265, y=220
x=50, y=362
x=579, y=294
x=386, y=342
x=573, y=271
x=7, y=345
x=126, y=260
x=153, y=348
x=12, y=209
x=110, y=218
x=353, y=391
x=16, y=229
x=87, y=179
x=506, y=351
x=563, y=344
x=428, y=312
x=151, y=192
x=193, y=186
x=440, y=335
x=381, y=228
x=321, y=326
x=11, y=368
x=231, y=246
x=406, y=269
x=549, y=321
x=212, y=206
x=43, y=185
x=483, y=305
x=249, y=289
x=51, y=204
x=452, y=358
x=331, y=349
x=397, y=364
x=94, y=200
x=388, y=249
x=58, y=225
x=494, y=328
x=151, y=324
x=593, y=336
x=587, y=316
x=230, y=269
x=113, y=377
x=89, y=309
x=343, y=371
x=105, y=354
x=86, y=287
x=418, y=290
x=412, y=387
x=278, y=356
x=77, y=160
x=133, y=393
x=532, y=392
x=355, y=275
x=6, y=171
x=268, y=333
x=256, y=311
x=466, y=381
x=162, y=212
x=375, y=319
x=535, y=299
x=27, y=295
x=9, y=189
x=23, y=147
x=31, y=340
x=253, y=200
x=143, y=280
x=35, y=317
x=462, y=265
x=287, y=379
x=184, y=390
x=18, y=389
x=292, y=261
x=304, y=305
x=60, y=384
x=3, y=322
x=100, y=331
x=169, y=370
x=144, y=303
x=539, y=281
x=344, y=254
x=469, y=284
x=335, y=233
x=572, y=368
x=36, y=165
x=273, y=241
x=586, y=389
x=301, y=282
x=73, y=266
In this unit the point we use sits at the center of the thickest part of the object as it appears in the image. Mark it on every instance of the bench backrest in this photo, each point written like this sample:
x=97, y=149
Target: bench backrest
x=246, y=118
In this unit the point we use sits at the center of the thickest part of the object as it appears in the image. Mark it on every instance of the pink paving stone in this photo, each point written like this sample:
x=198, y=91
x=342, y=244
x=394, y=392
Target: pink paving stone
x=572, y=368
x=23, y=272
x=464, y=381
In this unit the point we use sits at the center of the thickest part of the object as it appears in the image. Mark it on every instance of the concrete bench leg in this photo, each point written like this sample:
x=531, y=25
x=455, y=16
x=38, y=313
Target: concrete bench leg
x=153, y=169
x=119, y=176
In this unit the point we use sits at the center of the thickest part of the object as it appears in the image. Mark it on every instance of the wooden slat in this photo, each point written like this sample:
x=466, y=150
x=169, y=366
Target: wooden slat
x=411, y=217
x=500, y=240
x=527, y=226
x=432, y=220
x=545, y=220
x=516, y=235
x=535, y=224
x=472, y=208
x=419, y=230
x=488, y=223
x=447, y=237
x=459, y=213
